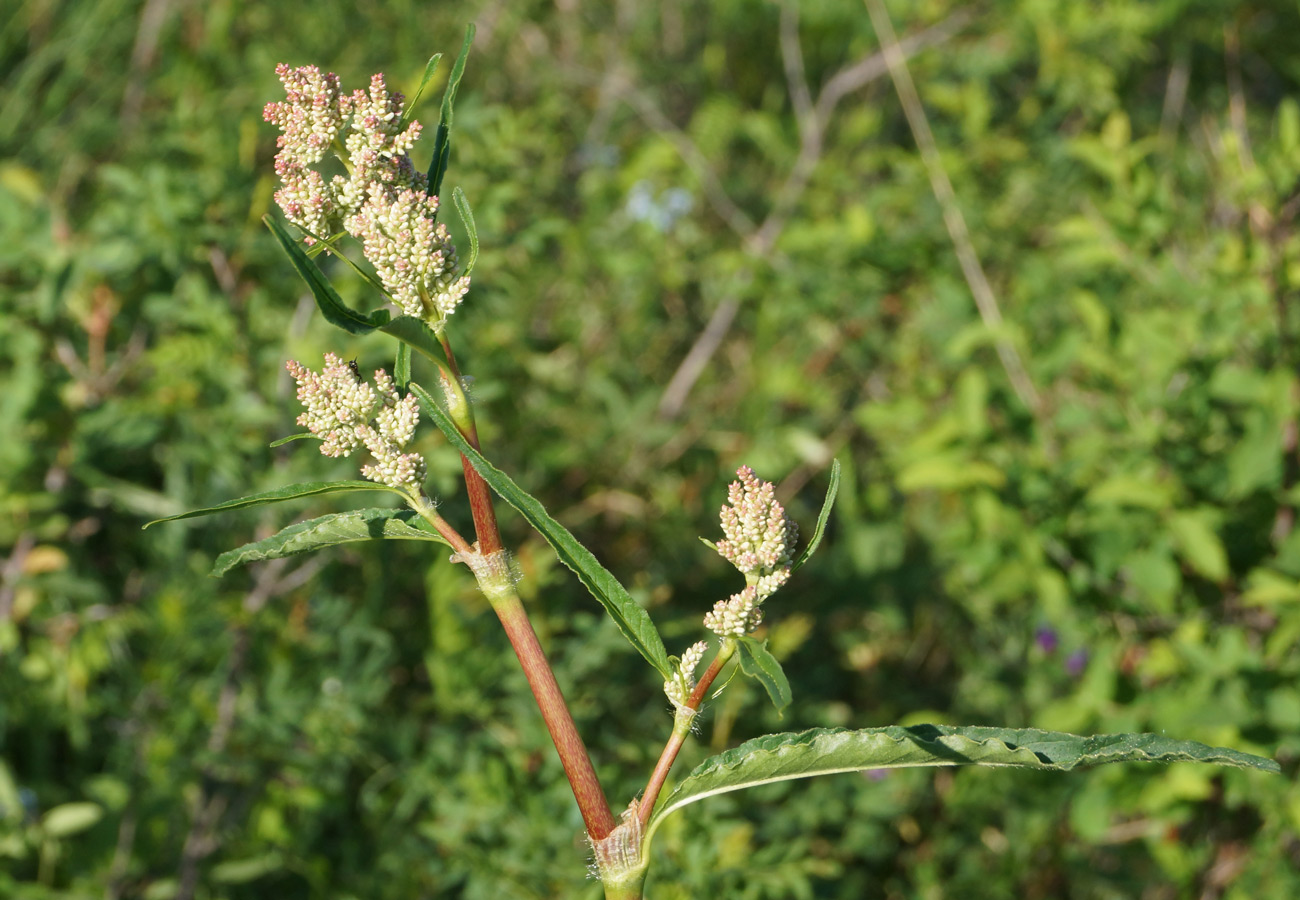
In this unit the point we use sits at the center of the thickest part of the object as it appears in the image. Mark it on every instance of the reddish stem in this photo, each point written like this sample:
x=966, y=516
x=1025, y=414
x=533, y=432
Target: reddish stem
x=480, y=506
x=480, y=495
x=451, y=535
x=678, y=738
x=596, y=814
x=574, y=757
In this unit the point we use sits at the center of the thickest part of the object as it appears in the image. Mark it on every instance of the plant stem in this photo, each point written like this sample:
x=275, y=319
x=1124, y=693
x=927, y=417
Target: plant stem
x=492, y=571
x=424, y=507
x=590, y=795
x=480, y=495
x=681, y=728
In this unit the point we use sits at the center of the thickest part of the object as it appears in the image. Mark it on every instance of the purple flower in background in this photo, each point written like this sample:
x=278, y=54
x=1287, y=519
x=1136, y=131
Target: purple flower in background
x=1046, y=638
x=1076, y=662
x=876, y=774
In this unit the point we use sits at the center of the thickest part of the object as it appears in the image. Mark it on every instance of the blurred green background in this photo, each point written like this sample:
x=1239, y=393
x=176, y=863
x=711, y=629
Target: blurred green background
x=654, y=184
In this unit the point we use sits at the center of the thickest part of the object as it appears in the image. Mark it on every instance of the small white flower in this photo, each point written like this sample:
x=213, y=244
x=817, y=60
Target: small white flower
x=679, y=687
x=760, y=537
x=347, y=413
x=738, y=615
x=383, y=202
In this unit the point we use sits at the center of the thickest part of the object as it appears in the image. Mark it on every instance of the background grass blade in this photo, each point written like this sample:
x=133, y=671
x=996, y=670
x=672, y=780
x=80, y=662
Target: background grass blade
x=328, y=531
x=627, y=614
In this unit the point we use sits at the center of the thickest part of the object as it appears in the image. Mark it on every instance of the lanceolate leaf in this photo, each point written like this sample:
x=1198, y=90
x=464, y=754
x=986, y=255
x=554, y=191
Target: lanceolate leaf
x=330, y=303
x=442, y=143
x=831, y=490
x=279, y=495
x=826, y=751
x=407, y=329
x=757, y=662
x=419, y=337
x=467, y=217
x=301, y=436
x=409, y=113
x=631, y=619
x=326, y=531
x=402, y=366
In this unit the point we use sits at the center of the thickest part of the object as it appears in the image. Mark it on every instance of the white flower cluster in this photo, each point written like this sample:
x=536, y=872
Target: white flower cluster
x=413, y=257
x=759, y=541
x=737, y=615
x=346, y=412
x=679, y=687
x=384, y=200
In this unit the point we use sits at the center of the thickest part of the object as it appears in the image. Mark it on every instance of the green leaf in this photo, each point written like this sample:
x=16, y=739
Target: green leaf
x=279, y=495
x=757, y=662
x=242, y=871
x=331, y=305
x=68, y=819
x=402, y=366
x=831, y=490
x=293, y=437
x=467, y=216
x=949, y=471
x=442, y=143
x=420, y=337
x=1198, y=544
x=328, y=531
x=429, y=68
x=408, y=329
x=827, y=751
x=630, y=618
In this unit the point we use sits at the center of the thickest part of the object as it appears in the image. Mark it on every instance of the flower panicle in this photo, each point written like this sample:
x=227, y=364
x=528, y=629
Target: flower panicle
x=679, y=687
x=347, y=412
x=759, y=541
x=383, y=200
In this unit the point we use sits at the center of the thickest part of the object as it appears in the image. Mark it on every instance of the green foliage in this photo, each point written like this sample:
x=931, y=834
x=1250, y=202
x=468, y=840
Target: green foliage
x=757, y=662
x=351, y=723
x=278, y=495
x=330, y=531
x=822, y=751
x=822, y=518
x=442, y=141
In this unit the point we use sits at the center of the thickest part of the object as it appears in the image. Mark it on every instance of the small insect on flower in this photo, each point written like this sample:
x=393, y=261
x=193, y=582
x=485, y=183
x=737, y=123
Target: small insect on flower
x=356, y=372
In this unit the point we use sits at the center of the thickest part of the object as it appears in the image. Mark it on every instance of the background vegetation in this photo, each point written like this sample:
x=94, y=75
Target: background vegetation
x=654, y=184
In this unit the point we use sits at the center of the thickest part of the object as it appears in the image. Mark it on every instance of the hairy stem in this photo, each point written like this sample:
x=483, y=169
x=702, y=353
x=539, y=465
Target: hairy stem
x=424, y=506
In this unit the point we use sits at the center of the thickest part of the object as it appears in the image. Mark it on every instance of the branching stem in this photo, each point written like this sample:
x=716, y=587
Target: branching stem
x=681, y=728
x=488, y=561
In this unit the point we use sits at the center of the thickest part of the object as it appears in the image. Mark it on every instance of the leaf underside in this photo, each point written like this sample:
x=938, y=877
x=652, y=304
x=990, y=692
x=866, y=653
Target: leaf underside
x=328, y=531
x=826, y=751
x=627, y=614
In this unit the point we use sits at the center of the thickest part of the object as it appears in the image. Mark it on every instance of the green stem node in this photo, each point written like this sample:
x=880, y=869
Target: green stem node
x=619, y=858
